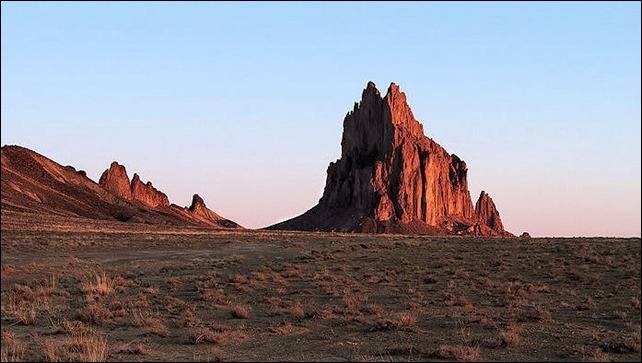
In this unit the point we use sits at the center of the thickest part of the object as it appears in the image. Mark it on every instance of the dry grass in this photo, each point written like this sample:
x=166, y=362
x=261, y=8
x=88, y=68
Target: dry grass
x=509, y=337
x=352, y=301
x=298, y=311
x=95, y=313
x=318, y=297
x=406, y=318
x=102, y=285
x=461, y=353
x=599, y=356
x=82, y=345
x=216, y=354
x=132, y=348
x=241, y=312
x=151, y=324
x=12, y=351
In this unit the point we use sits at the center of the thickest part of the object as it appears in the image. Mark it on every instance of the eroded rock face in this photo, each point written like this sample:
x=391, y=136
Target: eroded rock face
x=147, y=194
x=487, y=213
x=391, y=177
x=115, y=180
x=199, y=210
x=389, y=167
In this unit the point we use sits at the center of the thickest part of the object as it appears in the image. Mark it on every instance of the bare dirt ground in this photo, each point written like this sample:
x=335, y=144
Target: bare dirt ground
x=121, y=293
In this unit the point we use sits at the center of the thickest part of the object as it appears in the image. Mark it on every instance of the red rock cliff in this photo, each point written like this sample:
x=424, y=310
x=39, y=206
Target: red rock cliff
x=147, y=194
x=390, y=177
x=487, y=213
x=115, y=180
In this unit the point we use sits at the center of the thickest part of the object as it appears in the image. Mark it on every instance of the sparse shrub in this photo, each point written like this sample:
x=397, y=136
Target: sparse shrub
x=130, y=348
x=238, y=279
x=241, y=312
x=12, y=351
x=542, y=314
x=406, y=319
x=509, y=338
x=151, y=324
x=298, y=311
x=283, y=329
x=103, y=285
x=462, y=353
x=26, y=314
x=95, y=313
x=632, y=343
x=599, y=356
x=73, y=327
x=83, y=345
x=352, y=301
x=217, y=355
x=202, y=335
x=373, y=309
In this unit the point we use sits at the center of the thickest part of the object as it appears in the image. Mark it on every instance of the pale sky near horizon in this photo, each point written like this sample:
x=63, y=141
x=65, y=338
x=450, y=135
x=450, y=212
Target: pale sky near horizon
x=243, y=103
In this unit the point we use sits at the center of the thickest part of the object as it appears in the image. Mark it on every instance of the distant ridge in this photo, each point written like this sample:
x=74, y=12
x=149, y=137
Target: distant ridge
x=391, y=178
x=32, y=185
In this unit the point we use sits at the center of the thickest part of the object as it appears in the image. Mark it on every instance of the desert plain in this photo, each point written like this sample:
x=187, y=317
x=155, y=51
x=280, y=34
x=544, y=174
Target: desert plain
x=82, y=290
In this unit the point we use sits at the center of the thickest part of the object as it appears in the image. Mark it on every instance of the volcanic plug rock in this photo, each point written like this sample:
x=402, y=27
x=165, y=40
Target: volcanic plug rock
x=392, y=178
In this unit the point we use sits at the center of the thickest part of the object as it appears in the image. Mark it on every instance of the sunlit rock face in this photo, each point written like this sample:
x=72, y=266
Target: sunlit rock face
x=392, y=178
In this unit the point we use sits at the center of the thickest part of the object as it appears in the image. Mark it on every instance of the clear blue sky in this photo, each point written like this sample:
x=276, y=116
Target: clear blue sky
x=243, y=103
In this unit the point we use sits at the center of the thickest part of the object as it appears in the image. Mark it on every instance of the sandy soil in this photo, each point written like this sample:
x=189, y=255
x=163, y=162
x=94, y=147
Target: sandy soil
x=135, y=293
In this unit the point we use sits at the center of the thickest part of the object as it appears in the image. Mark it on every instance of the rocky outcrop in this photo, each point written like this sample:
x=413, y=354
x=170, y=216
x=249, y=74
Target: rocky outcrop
x=115, y=180
x=199, y=210
x=147, y=194
x=487, y=213
x=39, y=193
x=144, y=194
x=391, y=177
x=525, y=235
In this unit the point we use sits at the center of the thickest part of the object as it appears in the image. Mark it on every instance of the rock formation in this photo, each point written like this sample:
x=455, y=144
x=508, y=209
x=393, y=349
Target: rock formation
x=147, y=194
x=487, y=213
x=199, y=210
x=115, y=180
x=37, y=190
x=392, y=178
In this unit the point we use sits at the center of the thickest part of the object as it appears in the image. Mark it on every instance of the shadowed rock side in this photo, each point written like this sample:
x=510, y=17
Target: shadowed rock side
x=37, y=186
x=145, y=194
x=392, y=178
